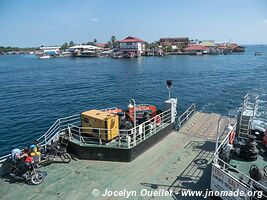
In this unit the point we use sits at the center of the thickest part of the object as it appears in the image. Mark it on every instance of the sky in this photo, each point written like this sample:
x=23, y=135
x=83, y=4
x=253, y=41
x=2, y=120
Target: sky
x=32, y=23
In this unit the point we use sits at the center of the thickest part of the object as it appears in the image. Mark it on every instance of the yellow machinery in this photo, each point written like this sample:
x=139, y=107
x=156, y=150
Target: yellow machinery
x=100, y=122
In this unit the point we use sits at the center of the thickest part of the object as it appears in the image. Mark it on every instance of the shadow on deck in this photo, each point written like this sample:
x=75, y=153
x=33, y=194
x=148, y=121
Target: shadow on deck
x=196, y=176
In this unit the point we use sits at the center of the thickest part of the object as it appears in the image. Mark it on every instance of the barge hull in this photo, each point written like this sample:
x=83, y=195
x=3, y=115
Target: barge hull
x=117, y=154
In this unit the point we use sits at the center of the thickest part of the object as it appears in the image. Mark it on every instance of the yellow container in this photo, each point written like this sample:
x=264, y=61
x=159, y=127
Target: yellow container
x=101, y=122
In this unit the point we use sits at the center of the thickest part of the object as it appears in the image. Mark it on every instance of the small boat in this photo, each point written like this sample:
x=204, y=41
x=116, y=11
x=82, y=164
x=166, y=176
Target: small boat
x=258, y=53
x=105, y=54
x=44, y=57
x=130, y=55
x=117, y=56
x=88, y=53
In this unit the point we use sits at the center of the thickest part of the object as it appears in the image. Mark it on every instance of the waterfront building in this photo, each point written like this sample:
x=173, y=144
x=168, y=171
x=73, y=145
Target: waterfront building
x=85, y=50
x=228, y=48
x=208, y=43
x=101, y=45
x=132, y=47
x=239, y=49
x=51, y=51
x=196, y=49
x=178, y=42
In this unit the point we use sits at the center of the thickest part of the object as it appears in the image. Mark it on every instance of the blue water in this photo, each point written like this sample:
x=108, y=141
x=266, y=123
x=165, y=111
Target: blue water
x=34, y=92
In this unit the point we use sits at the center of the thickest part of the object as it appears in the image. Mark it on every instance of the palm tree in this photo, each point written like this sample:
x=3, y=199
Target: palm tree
x=71, y=43
x=113, y=41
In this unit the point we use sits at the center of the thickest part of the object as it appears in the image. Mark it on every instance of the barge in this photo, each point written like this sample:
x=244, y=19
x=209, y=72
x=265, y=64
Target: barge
x=110, y=134
x=170, y=165
x=183, y=154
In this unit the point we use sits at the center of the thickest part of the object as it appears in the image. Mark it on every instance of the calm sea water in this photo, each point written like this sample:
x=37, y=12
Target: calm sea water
x=34, y=92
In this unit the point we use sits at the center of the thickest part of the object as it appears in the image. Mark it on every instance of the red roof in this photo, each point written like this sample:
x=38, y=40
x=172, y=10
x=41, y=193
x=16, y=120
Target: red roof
x=222, y=47
x=132, y=39
x=101, y=45
x=233, y=45
x=196, y=47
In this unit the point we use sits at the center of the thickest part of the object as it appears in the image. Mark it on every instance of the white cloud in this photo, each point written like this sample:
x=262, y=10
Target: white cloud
x=94, y=19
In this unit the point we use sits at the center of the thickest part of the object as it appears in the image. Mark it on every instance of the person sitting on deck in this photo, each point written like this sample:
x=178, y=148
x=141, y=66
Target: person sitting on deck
x=38, y=145
x=21, y=158
x=35, y=154
x=15, y=154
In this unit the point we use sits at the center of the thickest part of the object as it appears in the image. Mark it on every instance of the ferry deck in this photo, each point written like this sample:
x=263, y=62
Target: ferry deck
x=182, y=160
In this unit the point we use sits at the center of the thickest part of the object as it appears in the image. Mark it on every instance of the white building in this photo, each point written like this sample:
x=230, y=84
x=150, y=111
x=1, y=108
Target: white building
x=50, y=50
x=85, y=50
x=132, y=46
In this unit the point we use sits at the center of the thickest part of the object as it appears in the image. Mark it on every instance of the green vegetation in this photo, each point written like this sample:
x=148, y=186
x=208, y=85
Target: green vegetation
x=65, y=46
x=10, y=49
x=71, y=43
x=114, y=42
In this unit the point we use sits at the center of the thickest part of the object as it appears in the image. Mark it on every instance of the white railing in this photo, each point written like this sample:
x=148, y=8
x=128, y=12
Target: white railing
x=124, y=138
x=185, y=116
x=118, y=138
x=52, y=134
x=237, y=175
x=60, y=126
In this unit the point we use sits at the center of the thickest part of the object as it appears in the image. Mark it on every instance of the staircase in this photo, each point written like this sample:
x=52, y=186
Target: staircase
x=247, y=114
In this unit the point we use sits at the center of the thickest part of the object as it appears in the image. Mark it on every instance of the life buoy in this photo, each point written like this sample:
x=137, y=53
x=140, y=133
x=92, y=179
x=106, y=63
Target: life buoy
x=158, y=120
x=232, y=137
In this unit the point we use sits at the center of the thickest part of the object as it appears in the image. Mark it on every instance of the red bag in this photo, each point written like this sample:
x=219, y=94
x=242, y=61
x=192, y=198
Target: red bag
x=28, y=159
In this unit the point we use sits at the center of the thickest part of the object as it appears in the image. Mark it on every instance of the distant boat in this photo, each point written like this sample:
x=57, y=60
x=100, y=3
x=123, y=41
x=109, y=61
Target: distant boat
x=88, y=53
x=130, y=55
x=105, y=54
x=44, y=57
x=117, y=54
x=258, y=53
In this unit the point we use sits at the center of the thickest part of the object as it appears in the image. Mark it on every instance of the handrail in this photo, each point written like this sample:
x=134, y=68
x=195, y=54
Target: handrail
x=240, y=172
x=4, y=157
x=61, y=124
x=224, y=140
x=217, y=160
x=135, y=134
x=48, y=130
x=185, y=116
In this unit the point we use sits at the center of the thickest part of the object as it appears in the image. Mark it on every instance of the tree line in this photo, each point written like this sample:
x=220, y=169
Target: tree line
x=10, y=49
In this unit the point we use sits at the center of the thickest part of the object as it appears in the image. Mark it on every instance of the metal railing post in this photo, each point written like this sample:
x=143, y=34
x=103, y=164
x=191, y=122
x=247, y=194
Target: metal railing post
x=128, y=140
x=59, y=124
x=119, y=139
x=80, y=139
x=45, y=139
x=144, y=131
x=70, y=136
x=134, y=136
x=99, y=135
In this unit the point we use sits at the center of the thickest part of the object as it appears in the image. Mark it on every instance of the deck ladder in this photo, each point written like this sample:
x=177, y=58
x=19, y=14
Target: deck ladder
x=247, y=114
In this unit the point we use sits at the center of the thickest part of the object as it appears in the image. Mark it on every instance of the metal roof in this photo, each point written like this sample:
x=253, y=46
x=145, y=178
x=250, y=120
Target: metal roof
x=84, y=47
